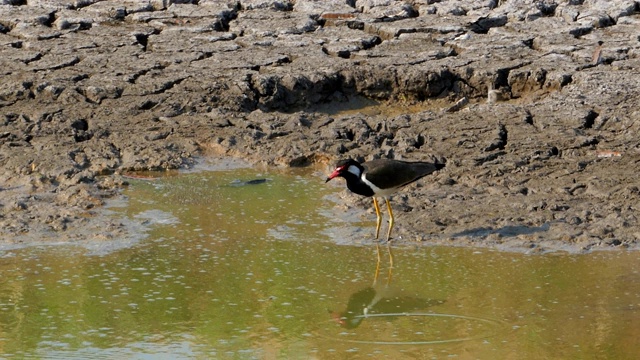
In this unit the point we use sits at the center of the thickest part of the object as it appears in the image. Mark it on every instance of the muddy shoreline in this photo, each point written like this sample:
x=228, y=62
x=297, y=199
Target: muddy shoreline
x=538, y=121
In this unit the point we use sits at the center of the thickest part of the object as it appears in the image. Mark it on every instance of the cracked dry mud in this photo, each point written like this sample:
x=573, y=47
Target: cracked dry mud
x=91, y=89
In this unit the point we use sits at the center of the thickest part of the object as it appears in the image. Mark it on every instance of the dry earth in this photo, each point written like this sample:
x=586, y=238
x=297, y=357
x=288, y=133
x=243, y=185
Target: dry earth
x=541, y=138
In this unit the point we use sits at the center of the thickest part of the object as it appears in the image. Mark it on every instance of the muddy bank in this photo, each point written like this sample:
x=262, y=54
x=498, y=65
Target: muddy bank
x=537, y=119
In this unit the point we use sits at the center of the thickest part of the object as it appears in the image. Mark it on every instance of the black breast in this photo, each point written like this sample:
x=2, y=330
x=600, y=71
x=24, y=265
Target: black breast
x=357, y=186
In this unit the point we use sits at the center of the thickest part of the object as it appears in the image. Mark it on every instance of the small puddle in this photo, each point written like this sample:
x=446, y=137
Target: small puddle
x=241, y=264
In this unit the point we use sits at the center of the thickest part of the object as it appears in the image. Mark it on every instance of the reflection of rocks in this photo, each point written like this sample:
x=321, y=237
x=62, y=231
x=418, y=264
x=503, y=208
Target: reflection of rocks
x=93, y=88
x=379, y=300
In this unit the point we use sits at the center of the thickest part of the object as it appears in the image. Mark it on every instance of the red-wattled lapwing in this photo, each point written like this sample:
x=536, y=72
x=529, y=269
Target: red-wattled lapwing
x=381, y=177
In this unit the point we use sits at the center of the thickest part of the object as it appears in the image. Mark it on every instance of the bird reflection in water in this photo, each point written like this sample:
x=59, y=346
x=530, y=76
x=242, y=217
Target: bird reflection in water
x=380, y=299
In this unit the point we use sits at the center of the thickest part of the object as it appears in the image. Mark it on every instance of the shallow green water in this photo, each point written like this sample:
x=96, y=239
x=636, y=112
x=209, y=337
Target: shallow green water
x=254, y=271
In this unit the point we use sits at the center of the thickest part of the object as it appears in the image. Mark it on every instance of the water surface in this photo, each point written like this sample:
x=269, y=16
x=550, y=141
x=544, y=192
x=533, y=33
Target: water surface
x=241, y=270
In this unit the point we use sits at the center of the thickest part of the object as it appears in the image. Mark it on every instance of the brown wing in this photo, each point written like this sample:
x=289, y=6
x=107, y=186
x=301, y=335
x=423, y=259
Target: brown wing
x=394, y=173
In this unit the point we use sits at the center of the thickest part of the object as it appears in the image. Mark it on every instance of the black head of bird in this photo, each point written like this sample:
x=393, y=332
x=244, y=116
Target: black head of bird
x=381, y=177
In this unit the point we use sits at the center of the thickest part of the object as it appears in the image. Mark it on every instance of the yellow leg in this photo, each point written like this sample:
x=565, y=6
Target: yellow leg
x=390, y=219
x=378, y=218
x=390, y=263
x=375, y=277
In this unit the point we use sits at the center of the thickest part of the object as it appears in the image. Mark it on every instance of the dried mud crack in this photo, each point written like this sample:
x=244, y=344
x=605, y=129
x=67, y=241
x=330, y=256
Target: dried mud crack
x=533, y=103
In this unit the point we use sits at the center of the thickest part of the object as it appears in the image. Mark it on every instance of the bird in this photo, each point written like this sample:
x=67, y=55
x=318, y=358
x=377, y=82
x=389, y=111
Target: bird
x=382, y=178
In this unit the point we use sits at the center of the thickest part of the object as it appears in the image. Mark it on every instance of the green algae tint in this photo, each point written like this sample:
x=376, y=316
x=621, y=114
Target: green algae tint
x=233, y=269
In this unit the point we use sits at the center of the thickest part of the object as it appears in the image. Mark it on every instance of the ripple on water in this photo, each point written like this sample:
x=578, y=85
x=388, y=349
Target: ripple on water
x=417, y=328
